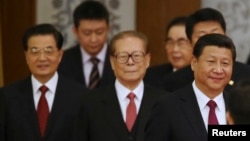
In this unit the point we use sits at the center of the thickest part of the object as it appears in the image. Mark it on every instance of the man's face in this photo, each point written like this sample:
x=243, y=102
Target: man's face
x=178, y=48
x=130, y=73
x=213, y=69
x=206, y=27
x=43, y=57
x=92, y=35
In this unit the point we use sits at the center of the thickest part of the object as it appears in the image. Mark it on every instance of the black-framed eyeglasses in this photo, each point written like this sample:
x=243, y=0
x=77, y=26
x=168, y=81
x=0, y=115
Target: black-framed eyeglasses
x=123, y=57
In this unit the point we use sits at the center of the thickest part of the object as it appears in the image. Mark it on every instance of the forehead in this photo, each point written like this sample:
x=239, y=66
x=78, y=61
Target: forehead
x=41, y=40
x=92, y=24
x=208, y=27
x=217, y=52
x=177, y=31
x=129, y=44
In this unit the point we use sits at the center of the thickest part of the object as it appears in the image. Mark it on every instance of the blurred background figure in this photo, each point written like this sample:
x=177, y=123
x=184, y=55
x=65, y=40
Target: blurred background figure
x=178, y=52
x=238, y=111
x=88, y=62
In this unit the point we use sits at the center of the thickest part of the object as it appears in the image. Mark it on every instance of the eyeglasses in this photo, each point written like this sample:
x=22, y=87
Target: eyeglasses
x=181, y=43
x=123, y=57
x=37, y=51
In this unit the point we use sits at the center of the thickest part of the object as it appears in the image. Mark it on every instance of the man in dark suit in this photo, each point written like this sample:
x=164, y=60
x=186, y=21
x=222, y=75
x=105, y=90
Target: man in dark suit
x=238, y=103
x=186, y=113
x=91, y=28
x=178, y=52
x=107, y=109
x=203, y=21
x=28, y=114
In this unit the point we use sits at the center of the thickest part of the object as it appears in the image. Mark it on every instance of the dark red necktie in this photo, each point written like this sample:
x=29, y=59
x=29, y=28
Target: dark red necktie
x=94, y=75
x=131, y=112
x=43, y=110
x=212, y=119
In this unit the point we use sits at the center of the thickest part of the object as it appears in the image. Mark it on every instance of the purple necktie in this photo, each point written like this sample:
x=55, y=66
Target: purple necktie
x=212, y=119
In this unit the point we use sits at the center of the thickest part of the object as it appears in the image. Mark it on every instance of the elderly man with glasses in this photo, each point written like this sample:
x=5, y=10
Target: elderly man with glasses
x=120, y=111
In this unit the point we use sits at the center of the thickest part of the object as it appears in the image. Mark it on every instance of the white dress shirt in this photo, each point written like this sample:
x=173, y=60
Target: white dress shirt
x=88, y=64
x=220, y=110
x=50, y=94
x=122, y=93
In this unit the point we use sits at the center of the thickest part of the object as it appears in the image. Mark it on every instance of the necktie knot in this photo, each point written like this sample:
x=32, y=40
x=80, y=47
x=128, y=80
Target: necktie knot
x=131, y=96
x=43, y=89
x=211, y=104
x=212, y=119
x=94, y=60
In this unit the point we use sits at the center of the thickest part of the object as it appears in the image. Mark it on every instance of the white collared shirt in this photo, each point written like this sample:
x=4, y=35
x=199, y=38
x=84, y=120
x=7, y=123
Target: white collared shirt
x=50, y=94
x=88, y=64
x=122, y=93
x=220, y=110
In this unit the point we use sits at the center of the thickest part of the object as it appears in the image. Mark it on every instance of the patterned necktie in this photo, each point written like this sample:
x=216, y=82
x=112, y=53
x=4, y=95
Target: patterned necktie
x=94, y=75
x=131, y=112
x=212, y=119
x=43, y=110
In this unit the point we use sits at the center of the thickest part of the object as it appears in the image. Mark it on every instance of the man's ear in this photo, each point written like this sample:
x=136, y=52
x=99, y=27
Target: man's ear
x=193, y=63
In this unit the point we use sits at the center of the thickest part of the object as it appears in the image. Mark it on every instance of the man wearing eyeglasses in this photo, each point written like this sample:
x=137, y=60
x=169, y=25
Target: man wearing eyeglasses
x=120, y=111
x=45, y=105
x=178, y=52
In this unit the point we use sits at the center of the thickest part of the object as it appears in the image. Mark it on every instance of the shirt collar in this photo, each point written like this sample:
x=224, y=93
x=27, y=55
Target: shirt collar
x=203, y=99
x=122, y=91
x=51, y=84
x=101, y=55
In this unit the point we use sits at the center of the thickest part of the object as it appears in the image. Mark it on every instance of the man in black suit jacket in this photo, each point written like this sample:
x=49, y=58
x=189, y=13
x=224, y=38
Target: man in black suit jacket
x=178, y=52
x=203, y=21
x=91, y=27
x=238, y=103
x=184, y=114
x=20, y=101
x=105, y=110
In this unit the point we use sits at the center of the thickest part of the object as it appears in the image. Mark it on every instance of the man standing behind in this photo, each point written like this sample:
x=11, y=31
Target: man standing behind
x=185, y=114
x=178, y=52
x=201, y=22
x=44, y=106
x=88, y=62
x=119, y=112
x=238, y=111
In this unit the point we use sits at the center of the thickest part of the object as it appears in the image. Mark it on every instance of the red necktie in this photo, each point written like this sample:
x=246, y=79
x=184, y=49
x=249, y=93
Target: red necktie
x=131, y=112
x=212, y=119
x=43, y=110
x=94, y=75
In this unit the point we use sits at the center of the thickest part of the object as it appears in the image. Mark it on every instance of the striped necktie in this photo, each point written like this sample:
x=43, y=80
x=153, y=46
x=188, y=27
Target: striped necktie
x=94, y=78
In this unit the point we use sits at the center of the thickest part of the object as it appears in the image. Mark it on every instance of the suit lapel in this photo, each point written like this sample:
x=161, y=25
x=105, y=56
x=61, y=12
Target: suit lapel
x=27, y=101
x=58, y=106
x=112, y=112
x=190, y=107
x=144, y=112
x=79, y=66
